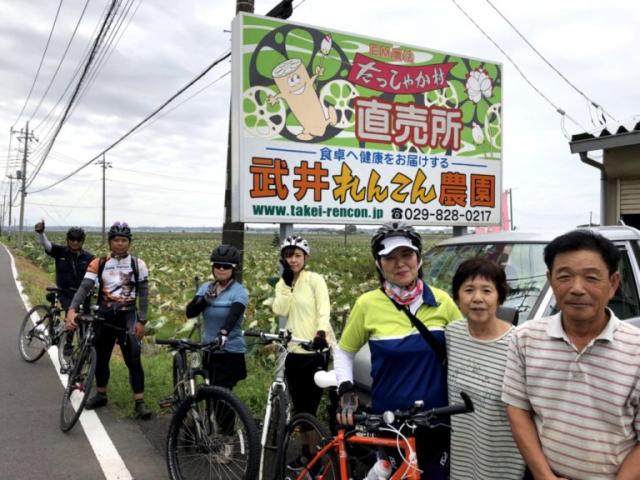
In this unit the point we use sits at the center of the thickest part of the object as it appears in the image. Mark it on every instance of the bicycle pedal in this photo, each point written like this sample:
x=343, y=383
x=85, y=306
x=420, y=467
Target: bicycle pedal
x=167, y=402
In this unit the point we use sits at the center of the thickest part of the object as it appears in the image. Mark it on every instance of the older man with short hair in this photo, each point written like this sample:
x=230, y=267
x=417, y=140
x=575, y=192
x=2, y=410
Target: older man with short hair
x=572, y=382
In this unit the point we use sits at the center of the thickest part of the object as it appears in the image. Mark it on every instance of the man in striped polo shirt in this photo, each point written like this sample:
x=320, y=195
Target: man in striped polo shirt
x=572, y=382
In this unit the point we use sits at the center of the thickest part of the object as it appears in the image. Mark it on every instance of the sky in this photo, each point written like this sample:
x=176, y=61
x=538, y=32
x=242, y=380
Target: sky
x=171, y=173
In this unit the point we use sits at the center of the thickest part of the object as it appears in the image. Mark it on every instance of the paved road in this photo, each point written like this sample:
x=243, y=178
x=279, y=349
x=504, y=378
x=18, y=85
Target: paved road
x=32, y=447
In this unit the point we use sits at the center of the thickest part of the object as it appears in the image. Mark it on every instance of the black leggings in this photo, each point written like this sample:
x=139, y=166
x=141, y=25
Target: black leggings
x=123, y=333
x=299, y=369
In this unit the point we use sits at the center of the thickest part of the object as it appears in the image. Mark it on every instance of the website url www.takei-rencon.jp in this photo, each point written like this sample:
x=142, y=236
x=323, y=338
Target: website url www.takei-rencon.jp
x=317, y=211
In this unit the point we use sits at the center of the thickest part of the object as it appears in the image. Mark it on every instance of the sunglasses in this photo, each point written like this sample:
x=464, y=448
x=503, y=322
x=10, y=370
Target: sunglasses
x=223, y=266
x=75, y=239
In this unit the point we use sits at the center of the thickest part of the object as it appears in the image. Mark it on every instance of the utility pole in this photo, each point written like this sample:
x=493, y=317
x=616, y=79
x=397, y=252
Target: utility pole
x=105, y=165
x=233, y=232
x=10, y=204
x=4, y=207
x=26, y=138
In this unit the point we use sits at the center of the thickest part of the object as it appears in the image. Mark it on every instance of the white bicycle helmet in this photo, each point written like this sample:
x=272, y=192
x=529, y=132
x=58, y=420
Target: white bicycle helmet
x=295, y=241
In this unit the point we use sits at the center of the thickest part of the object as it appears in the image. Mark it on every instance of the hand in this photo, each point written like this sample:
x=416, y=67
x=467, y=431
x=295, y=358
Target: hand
x=70, y=320
x=287, y=273
x=319, y=342
x=348, y=403
x=39, y=227
x=138, y=330
x=223, y=336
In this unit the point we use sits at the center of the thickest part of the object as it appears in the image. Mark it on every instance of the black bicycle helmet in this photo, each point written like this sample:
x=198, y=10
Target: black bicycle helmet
x=295, y=242
x=394, y=229
x=120, y=229
x=76, y=233
x=225, y=254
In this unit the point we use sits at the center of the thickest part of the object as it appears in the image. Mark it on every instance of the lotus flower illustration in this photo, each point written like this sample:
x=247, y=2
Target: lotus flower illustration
x=478, y=85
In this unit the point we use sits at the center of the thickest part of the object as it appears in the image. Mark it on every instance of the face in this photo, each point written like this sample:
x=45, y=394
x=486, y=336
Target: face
x=401, y=266
x=221, y=274
x=582, y=285
x=74, y=244
x=296, y=260
x=478, y=300
x=119, y=245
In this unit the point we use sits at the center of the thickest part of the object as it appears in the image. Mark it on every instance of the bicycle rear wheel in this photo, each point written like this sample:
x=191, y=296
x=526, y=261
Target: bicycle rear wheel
x=78, y=389
x=303, y=438
x=277, y=424
x=34, y=338
x=212, y=436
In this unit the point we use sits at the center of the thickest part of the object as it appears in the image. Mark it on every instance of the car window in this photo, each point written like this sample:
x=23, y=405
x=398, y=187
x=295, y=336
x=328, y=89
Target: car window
x=522, y=262
x=625, y=303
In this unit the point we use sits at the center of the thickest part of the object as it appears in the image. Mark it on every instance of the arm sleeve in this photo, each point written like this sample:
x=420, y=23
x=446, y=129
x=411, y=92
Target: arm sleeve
x=196, y=306
x=235, y=314
x=343, y=365
x=282, y=301
x=323, y=307
x=143, y=301
x=514, y=391
x=44, y=241
x=83, y=291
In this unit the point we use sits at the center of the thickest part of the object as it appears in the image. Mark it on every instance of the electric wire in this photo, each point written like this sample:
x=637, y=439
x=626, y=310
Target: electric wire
x=589, y=100
x=44, y=53
x=105, y=26
x=62, y=59
x=555, y=107
x=138, y=125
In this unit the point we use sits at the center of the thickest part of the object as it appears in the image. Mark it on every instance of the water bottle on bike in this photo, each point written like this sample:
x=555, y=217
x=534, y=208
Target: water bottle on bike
x=381, y=470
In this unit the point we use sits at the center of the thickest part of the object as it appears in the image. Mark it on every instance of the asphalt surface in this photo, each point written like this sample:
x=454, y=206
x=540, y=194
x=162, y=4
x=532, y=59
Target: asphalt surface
x=33, y=447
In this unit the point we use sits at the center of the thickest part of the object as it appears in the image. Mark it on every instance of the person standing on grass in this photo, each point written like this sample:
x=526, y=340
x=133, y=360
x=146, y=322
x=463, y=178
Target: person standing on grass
x=481, y=442
x=123, y=281
x=572, y=382
x=222, y=303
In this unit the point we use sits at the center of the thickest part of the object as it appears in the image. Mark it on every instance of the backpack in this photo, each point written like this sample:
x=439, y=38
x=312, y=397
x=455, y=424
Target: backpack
x=101, y=264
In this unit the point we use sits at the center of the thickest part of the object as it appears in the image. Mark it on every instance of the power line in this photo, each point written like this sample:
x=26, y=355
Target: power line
x=64, y=55
x=138, y=125
x=556, y=108
x=44, y=53
x=96, y=45
x=591, y=102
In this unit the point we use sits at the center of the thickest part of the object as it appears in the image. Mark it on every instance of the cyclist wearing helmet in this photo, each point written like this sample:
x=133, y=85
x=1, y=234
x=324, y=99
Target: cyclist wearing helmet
x=71, y=260
x=405, y=367
x=122, y=281
x=303, y=298
x=222, y=303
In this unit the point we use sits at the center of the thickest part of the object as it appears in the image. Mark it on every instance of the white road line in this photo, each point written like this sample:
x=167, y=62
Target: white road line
x=108, y=457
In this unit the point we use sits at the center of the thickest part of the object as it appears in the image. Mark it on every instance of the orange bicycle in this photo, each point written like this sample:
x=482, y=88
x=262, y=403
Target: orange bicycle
x=310, y=452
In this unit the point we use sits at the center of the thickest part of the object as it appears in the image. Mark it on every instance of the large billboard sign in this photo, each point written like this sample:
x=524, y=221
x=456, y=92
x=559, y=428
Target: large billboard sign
x=330, y=127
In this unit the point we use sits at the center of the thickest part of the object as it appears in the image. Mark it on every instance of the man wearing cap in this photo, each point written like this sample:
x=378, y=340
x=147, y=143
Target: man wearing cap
x=405, y=366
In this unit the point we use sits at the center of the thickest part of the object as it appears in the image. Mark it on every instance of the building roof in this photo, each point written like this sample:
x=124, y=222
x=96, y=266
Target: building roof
x=610, y=136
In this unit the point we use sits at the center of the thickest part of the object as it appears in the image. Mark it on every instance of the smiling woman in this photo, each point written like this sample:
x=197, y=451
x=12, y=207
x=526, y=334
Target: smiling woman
x=481, y=444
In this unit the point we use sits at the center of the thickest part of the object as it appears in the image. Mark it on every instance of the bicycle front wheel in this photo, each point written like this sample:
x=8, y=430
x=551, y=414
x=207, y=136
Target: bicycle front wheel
x=276, y=426
x=212, y=436
x=304, y=437
x=78, y=389
x=34, y=338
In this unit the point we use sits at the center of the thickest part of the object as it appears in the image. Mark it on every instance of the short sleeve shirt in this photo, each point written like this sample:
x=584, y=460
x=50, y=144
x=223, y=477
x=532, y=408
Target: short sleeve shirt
x=217, y=310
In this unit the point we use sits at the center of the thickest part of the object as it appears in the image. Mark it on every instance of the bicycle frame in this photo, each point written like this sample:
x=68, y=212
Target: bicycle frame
x=408, y=470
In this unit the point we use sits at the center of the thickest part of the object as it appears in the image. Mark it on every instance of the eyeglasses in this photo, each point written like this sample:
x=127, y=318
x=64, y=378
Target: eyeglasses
x=120, y=225
x=224, y=266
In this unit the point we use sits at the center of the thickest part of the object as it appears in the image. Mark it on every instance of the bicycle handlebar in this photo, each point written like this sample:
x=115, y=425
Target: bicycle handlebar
x=283, y=337
x=183, y=343
x=420, y=417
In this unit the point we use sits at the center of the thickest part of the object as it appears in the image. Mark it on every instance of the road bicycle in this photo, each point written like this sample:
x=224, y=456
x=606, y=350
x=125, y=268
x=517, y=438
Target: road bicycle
x=43, y=327
x=83, y=370
x=310, y=452
x=212, y=433
x=277, y=412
